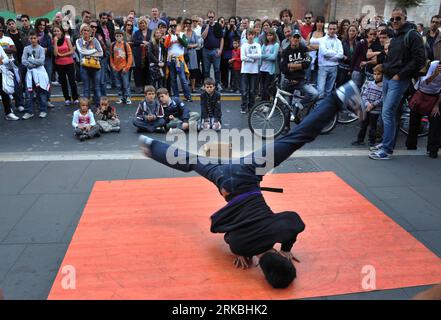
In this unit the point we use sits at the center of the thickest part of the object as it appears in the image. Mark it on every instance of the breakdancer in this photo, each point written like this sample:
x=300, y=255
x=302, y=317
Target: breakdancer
x=251, y=228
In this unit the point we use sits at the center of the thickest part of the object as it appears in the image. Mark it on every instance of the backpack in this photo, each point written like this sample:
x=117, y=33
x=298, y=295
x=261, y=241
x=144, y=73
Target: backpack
x=425, y=67
x=112, y=46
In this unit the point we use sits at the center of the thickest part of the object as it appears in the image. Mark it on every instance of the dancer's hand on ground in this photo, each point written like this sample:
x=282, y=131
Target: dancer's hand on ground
x=242, y=262
x=288, y=255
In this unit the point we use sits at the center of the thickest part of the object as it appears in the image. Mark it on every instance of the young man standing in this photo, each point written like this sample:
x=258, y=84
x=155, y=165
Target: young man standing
x=37, y=79
x=212, y=34
x=330, y=54
x=250, y=54
x=121, y=60
x=402, y=63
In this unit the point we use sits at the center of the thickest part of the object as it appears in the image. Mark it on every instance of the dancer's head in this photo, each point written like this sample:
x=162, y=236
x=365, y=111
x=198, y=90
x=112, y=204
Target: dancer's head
x=278, y=270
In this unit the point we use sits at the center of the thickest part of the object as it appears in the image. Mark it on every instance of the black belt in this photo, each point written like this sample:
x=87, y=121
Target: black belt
x=277, y=190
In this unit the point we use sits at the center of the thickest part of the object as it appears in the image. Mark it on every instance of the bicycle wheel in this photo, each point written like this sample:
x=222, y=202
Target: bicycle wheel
x=424, y=125
x=331, y=125
x=263, y=126
x=345, y=117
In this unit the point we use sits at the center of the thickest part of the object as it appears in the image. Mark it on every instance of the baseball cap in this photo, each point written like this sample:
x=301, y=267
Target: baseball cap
x=296, y=32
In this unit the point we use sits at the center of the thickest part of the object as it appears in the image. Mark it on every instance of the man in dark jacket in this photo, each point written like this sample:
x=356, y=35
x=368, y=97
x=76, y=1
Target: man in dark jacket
x=406, y=56
x=295, y=61
x=251, y=228
x=176, y=114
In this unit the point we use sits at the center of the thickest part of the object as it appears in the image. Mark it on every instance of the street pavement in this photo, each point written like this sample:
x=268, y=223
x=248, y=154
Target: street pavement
x=46, y=176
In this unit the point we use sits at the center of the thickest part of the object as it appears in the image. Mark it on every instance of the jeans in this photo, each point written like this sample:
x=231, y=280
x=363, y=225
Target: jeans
x=393, y=91
x=103, y=75
x=123, y=82
x=6, y=100
x=237, y=178
x=67, y=71
x=210, y=57
x=310, y=93
x=147, y=126
x=37, y=95
x=48, y=65
x=326, y=80
x=248, y=83
x=91, y=76
x=174, y=74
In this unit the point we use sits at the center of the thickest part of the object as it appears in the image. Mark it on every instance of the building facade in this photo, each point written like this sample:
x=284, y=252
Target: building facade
x=331, y=9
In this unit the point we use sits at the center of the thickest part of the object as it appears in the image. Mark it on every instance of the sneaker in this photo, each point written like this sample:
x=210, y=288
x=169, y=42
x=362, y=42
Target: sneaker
x=50, y=104
x=11, y=116
x=380, y=155
x=243, y=111
x=376, y=147
x=21, y=109
x=219, y=88
x=350, y=96
x=27, y=116
x=188, y=100
x=67, y=103
x=76, y=102
x=292, y=118
x=42, y=115
x=358, y=143
x=144, y=144
x=120, y=101
x=128, y=101
x=433, y=154
x=83, y=137
x=109, y=87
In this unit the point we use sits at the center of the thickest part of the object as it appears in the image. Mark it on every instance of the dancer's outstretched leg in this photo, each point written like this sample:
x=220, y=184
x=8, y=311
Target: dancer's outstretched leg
x=310, y=127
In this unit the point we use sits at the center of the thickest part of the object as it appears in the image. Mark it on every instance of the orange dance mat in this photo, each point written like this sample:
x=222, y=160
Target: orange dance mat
x=150, y=239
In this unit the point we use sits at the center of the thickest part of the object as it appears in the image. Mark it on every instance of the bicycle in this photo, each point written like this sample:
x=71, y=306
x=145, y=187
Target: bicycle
x=268, y=119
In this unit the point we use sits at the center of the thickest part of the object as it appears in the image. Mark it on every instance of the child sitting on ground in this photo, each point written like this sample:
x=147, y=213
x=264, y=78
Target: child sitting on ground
x=372, y=100
x=150, y=114
x=211, y=112
x=106, y=117
x=84, y=122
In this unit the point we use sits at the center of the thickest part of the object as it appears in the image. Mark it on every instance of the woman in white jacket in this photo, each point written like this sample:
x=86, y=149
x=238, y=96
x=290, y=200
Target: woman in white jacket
x=5, y=97
x=88, y=46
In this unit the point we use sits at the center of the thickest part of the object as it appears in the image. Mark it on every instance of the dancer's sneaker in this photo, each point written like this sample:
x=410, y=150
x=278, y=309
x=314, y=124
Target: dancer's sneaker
x=350, y=97
x=145, y=143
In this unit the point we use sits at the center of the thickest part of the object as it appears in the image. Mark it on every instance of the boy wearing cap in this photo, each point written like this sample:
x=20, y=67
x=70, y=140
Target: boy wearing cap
x=295, y=61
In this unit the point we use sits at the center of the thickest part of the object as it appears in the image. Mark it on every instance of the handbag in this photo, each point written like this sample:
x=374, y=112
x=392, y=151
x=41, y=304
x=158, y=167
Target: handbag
x=423, y=103
x=91, y=62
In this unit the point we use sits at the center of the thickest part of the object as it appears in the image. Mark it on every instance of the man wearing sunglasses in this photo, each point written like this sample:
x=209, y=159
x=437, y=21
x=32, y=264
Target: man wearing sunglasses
x=213, y=45
x=306, y=28
x=406, y=56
